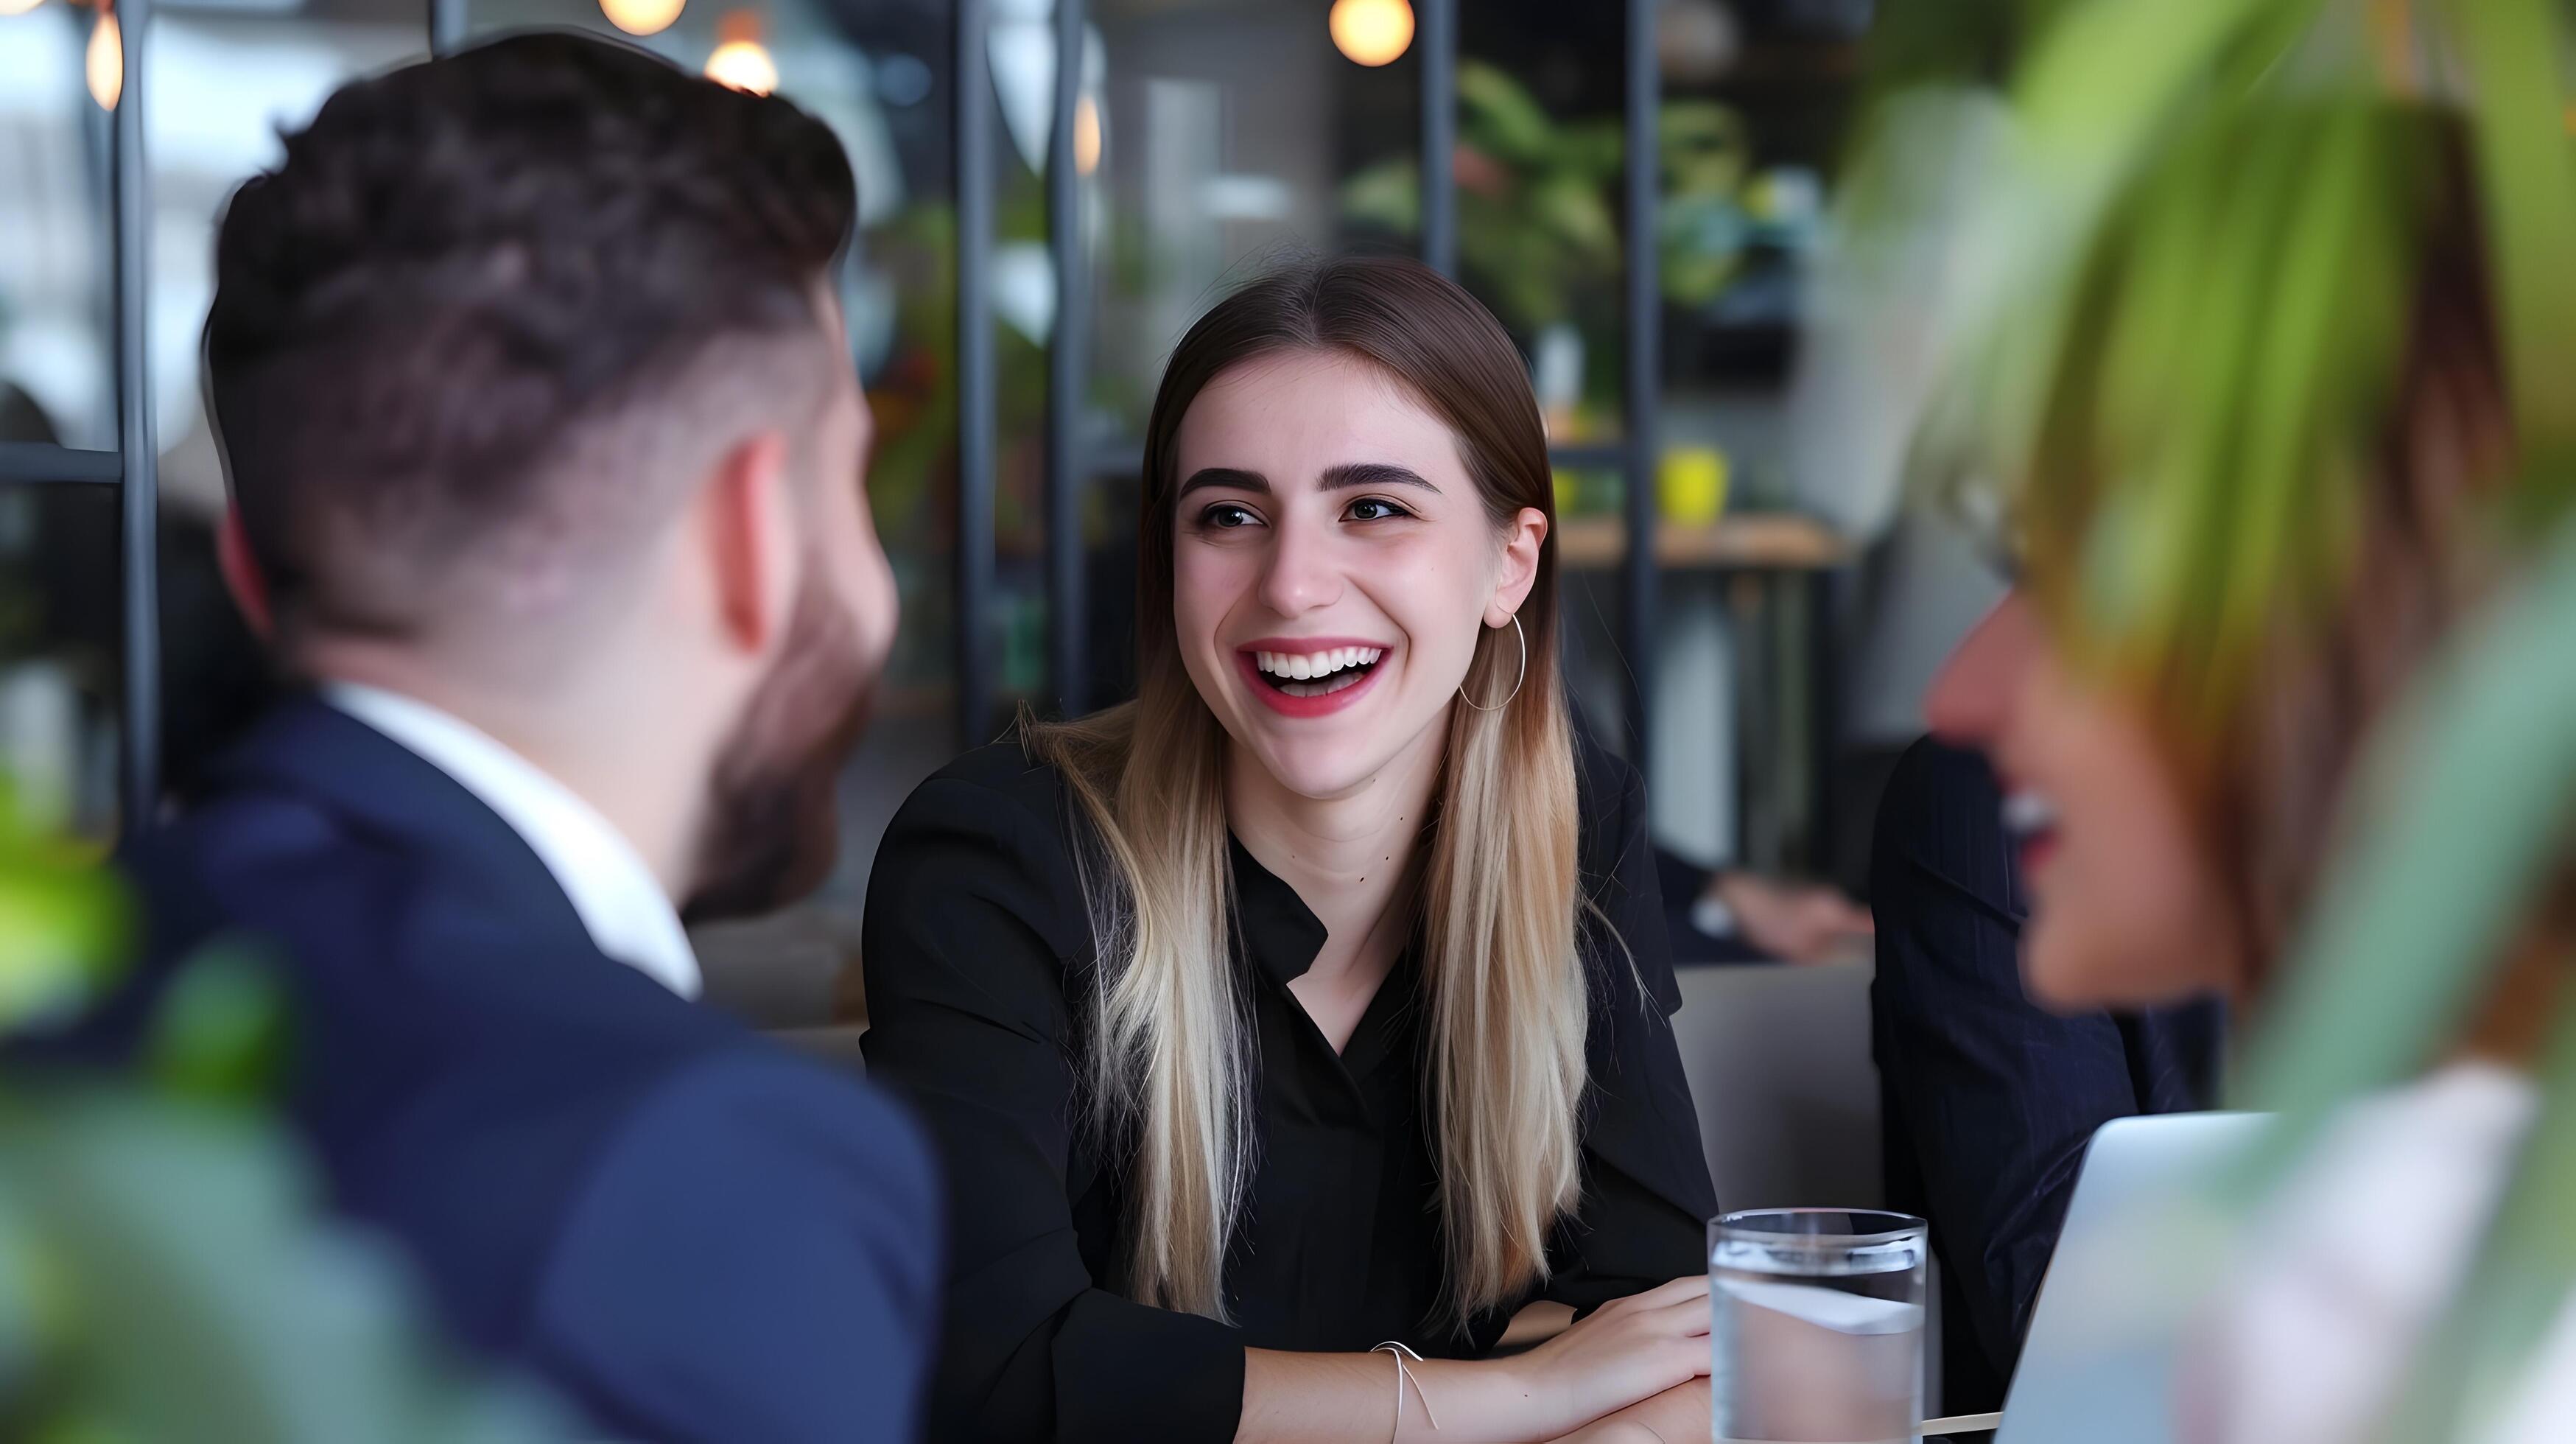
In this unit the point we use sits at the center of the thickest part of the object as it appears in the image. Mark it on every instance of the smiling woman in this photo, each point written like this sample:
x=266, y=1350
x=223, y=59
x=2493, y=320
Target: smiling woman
x=1376, y=528
x=1263, y=1019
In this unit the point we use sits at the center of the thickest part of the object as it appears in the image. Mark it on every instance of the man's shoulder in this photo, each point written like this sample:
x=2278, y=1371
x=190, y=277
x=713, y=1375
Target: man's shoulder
x=772, y=1132
x=672, y=1229
x=766, y=1104
x=367, y=930
x=752, y=1251
x=251, y=852
x=265, y=873
x=546, y=1099
x=487, y=1154
x=458, y=1051
x=751, y=1155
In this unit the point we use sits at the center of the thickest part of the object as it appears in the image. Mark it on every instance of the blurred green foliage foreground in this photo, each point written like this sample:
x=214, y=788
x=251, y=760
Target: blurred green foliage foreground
x=163, y=1271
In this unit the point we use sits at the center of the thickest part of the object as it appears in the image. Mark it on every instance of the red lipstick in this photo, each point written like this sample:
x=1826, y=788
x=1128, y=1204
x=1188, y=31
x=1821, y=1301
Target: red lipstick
x=1288, y=704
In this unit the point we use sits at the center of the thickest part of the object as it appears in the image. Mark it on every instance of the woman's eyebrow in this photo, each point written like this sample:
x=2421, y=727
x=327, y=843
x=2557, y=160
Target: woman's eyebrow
x=1373, y=473
x=1228, y=477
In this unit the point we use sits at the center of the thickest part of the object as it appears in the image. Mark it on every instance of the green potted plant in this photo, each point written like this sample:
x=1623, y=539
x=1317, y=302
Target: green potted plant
x=1538, y=233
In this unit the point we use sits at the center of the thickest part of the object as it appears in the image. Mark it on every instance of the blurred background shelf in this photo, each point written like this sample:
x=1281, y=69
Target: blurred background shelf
x=1754, y=541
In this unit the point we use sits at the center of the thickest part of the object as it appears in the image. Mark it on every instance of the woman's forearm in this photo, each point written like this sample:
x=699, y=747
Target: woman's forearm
x=1627, y=1351
x=1679, y=1415
x=1341, y=1398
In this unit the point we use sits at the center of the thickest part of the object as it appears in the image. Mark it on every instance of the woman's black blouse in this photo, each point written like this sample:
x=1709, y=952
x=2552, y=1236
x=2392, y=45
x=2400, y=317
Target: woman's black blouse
x=978, y=955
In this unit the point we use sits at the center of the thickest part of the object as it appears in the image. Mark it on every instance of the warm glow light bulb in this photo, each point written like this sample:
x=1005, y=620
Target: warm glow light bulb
x=635, y=17
x=18, y=7
x=744, y=65
x=1086, y=136
x=1371, y=32
x=741, y=61
x=106, y=61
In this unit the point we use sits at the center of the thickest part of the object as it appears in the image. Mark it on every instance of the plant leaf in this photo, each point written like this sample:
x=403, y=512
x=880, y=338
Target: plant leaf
x=2514, y=49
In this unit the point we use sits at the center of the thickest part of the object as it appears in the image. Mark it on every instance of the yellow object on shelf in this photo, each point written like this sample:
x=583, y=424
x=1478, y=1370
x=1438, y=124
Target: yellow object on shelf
x=1690, y=485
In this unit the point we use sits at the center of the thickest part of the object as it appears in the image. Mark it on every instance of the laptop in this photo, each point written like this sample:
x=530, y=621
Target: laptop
x=2098, y=1363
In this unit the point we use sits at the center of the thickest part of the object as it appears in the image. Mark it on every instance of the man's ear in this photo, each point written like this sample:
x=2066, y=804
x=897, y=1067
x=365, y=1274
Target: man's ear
x=1521, y=546
x=241, y=575
x=748, y=523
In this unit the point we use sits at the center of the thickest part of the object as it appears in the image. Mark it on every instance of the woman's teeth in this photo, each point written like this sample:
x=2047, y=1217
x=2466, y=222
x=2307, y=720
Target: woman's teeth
x=1315, y=674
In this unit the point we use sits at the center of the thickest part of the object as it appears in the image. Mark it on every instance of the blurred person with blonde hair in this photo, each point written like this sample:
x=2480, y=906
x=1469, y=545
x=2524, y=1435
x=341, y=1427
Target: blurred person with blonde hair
x=2270, y=472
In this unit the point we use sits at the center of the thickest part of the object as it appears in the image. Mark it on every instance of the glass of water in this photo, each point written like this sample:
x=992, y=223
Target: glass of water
x=1817, y=1325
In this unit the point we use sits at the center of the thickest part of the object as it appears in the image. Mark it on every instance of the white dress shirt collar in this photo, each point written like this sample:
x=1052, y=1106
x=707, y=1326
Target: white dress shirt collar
x=620, y=902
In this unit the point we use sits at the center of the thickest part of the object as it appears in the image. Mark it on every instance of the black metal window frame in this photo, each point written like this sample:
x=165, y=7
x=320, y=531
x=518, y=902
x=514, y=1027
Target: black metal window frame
x=132, y=467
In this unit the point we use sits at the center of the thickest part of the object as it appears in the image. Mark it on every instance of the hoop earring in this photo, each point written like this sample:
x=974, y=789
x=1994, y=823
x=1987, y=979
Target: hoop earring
x=1516, y=681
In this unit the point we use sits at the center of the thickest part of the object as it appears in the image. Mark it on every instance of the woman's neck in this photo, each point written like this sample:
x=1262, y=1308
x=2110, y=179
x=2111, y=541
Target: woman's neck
x=1347, y=857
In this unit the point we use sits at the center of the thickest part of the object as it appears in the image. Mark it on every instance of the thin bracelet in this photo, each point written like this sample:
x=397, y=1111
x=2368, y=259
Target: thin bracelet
x=1403, y=1376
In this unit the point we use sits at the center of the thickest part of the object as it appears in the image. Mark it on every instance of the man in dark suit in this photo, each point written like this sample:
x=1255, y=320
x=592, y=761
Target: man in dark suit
x=544, y=445
x=1989, y=1100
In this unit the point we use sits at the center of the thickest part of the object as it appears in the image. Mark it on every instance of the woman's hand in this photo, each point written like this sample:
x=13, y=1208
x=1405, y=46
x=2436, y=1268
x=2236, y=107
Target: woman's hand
x=1629, y=1349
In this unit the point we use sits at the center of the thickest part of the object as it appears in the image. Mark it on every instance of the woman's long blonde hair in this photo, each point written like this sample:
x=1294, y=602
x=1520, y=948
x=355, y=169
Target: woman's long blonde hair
x=1504, y=988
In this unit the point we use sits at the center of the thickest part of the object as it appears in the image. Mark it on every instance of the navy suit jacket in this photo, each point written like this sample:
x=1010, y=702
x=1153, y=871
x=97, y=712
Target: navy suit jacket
x=690, y=1233
x=1990, y=1100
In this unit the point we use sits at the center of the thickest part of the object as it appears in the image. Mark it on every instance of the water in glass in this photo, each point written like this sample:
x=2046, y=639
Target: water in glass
x=1817, y=1327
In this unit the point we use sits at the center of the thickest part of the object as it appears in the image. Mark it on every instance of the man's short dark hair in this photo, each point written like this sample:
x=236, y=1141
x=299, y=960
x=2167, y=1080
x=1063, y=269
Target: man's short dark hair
x=466, y=271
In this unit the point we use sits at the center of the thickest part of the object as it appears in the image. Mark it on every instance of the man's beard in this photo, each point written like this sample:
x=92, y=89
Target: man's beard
x=773, y=823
